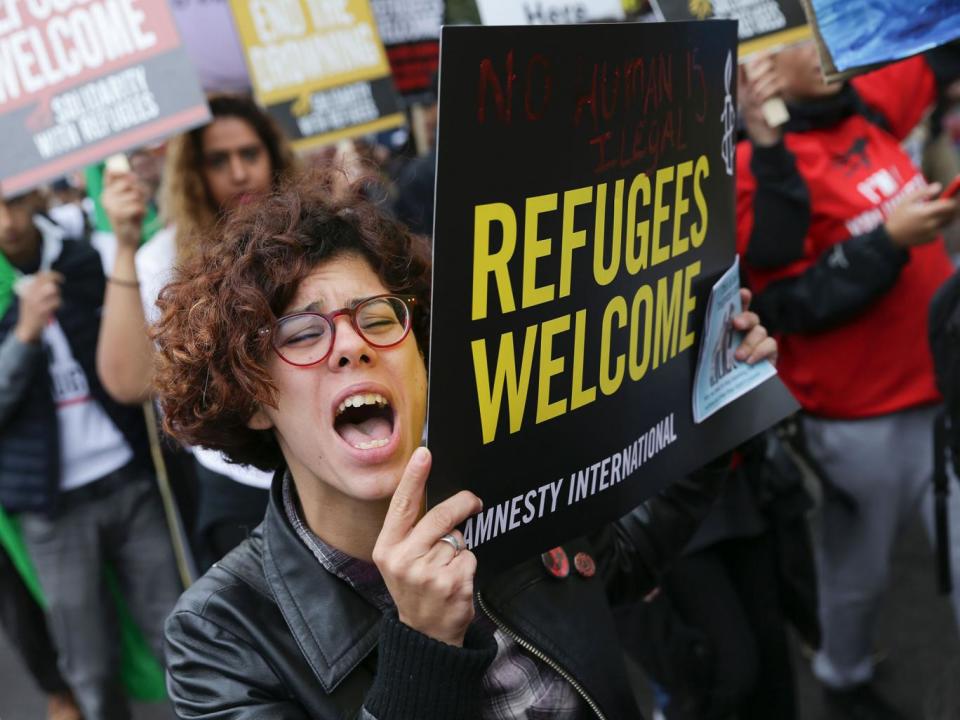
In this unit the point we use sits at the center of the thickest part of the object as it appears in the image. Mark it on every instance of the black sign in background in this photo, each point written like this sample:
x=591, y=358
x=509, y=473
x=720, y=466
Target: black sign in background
x=410, y=31
x=531, y=144
x=381, y=90
x=683, y=10
x=413, y=65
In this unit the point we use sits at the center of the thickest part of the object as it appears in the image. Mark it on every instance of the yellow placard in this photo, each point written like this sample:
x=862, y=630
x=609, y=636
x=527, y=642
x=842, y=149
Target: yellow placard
x=294, y=47
x=774, y=41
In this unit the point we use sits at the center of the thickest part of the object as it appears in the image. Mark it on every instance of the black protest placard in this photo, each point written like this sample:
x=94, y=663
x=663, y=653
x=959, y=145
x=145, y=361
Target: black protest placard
x=763, y=24
x=410, y=30
x=584, y=208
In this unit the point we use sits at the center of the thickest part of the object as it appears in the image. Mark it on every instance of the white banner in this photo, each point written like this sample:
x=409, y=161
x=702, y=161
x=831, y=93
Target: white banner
x=548, y=12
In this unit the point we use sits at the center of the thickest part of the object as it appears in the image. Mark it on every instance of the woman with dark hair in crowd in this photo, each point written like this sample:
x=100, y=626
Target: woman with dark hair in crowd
x=289, y=346
x=209, y=172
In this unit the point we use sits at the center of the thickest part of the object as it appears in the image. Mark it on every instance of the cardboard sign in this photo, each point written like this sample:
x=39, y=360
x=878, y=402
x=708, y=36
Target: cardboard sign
x=764, y=25
x=318, y=67
x=410, y=30
x=855, y=36
x=548, y=12
x=585, y=207
x=81, y=81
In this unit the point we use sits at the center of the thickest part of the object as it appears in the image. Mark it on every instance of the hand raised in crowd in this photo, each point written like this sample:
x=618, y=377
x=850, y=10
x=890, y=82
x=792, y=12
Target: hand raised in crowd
x=39, y=300
x=125, y=202
x=430, y=581
x=756, y=344
x=759, y=81
x=920, y=217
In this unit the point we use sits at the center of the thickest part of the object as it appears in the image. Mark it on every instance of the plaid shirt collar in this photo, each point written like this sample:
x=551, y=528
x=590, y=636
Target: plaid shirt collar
x=362, y=576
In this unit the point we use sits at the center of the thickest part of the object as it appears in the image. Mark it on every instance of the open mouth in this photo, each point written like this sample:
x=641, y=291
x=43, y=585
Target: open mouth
x=364, y=420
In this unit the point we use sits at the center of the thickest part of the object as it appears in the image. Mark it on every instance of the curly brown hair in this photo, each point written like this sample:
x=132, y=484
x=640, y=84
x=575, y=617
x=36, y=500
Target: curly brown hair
x=211, y=366
x=184, y=197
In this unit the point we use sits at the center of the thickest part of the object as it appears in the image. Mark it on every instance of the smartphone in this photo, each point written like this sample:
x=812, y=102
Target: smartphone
x=952, y=189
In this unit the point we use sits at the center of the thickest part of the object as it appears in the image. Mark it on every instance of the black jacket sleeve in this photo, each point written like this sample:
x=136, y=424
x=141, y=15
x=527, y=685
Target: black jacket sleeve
x=419, y=677
x=781, y=209
x=19, y=364
x=841, y=284
x=634, y=552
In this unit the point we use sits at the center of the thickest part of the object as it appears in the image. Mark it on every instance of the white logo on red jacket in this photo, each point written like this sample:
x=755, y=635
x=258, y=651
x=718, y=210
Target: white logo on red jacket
x=884, y=190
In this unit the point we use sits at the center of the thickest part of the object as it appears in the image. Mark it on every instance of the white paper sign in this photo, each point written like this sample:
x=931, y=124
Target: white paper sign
x=548, y=12
x=720, y=378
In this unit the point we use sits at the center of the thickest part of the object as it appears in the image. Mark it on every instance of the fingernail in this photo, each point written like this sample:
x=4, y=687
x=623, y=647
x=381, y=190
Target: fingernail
x=421, y=455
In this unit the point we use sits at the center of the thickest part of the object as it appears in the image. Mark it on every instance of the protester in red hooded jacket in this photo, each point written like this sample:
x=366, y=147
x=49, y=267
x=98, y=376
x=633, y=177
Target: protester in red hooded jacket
x=840, y=236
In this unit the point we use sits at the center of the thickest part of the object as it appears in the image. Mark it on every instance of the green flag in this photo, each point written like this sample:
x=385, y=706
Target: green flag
x=94, y=175
x=7, y=277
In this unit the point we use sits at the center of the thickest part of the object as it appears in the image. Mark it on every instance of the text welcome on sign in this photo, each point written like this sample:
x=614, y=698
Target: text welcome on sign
x=654, y=217
x=64, y=39
x=584, y=208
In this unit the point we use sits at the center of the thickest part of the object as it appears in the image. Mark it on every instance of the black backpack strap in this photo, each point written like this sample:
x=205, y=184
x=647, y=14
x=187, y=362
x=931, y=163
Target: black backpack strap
x=944, y=336
x=941, y=492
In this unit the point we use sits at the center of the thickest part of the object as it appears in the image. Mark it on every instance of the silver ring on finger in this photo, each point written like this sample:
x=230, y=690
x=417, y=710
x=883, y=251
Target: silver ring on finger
x=454, y=542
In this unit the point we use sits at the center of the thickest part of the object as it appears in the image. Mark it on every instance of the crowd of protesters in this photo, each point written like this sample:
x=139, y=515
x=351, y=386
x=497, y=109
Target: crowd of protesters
x=263, y=294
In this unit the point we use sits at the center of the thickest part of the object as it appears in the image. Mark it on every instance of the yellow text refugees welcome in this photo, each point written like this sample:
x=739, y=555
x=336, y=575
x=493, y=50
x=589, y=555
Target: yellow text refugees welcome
x=655, y=317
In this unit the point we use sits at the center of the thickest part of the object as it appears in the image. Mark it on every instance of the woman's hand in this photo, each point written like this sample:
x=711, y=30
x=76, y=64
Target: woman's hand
x=756, y=344
x=759, y=81
x=430, y=582
x=125, y=202
x=920, y=217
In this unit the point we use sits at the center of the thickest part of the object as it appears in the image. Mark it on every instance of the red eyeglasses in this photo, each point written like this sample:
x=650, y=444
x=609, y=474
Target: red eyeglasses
x=306, y=338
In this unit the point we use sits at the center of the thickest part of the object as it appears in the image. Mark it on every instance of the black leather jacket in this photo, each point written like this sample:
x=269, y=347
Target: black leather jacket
x=269, y=633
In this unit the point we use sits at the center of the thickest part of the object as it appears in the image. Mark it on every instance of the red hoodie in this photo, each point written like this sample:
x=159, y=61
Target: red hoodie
x=855, y=171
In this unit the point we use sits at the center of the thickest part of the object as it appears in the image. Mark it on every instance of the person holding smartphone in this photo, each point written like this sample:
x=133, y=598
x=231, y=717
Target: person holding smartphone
x=840, y=234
